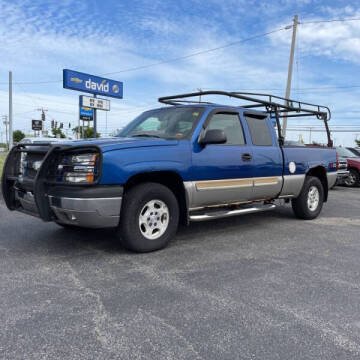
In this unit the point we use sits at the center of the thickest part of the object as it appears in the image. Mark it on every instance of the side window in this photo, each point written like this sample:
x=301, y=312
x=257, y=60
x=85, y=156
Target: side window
x=259, y=131
x=230, y=124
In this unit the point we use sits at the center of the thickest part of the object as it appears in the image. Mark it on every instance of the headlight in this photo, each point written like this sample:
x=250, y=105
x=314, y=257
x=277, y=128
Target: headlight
x=78, y=168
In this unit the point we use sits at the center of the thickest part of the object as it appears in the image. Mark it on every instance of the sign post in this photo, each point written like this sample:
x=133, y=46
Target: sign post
x=95, y=127
x=92, y=84
x=37, y=126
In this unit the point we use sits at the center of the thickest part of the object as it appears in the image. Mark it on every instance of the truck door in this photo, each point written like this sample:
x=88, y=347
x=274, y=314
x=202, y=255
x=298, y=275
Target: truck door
x=222, y=173
x=267, y=156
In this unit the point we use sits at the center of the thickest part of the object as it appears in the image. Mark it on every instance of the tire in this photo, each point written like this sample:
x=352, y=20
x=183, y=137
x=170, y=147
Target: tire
x=353, y=179
x=149, y=217
x=68, y=226
x=310, y=201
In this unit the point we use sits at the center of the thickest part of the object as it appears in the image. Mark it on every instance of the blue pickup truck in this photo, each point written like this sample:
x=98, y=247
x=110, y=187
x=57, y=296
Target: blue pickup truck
x=188, y=161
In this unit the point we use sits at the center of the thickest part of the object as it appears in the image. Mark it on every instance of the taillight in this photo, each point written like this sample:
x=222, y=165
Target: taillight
x=337, y=161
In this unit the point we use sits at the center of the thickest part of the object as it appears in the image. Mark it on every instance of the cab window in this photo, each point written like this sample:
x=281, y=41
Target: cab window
x=231, y=125
x=259, y=131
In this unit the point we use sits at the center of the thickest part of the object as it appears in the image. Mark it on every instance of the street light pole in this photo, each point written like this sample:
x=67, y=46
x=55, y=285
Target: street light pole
x=95, y=120
x=10, y=112
x=6, y=122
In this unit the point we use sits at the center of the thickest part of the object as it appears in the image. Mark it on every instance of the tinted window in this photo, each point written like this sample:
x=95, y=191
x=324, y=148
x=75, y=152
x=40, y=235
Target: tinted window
x=230, y=124
x=259, y=131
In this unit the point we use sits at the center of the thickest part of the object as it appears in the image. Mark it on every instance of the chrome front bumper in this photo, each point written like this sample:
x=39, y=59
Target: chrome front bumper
x=83, y=212
x=341, y=174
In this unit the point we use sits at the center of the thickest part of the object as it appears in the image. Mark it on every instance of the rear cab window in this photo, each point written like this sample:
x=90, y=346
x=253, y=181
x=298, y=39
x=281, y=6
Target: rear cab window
x=259, y=130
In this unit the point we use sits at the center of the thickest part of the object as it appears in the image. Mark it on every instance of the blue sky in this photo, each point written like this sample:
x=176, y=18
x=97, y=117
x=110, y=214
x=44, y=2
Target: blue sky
x=40, y=38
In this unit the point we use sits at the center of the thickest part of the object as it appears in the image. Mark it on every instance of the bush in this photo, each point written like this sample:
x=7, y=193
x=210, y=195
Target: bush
x=88, y=132
x=18, y=135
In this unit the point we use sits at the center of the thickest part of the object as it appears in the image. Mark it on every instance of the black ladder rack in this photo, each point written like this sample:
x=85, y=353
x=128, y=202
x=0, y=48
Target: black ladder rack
x=271, y=104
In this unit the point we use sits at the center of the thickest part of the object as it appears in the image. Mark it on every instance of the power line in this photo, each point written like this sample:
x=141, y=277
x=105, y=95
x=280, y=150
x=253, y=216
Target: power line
x=199, y=52
x=168, y=60
x=329, y=21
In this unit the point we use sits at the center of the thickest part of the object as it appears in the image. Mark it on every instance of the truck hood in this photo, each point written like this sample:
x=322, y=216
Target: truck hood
x=354, y=161
x=114, y=143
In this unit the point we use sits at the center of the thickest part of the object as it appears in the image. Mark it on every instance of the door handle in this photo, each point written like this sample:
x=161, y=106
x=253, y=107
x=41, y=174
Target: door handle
x=246, y=157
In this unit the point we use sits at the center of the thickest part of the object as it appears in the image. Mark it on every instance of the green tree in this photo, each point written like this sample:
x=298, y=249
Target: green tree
x=18, y=135
x=357, y=142
x=57, y=132
x=88, y=132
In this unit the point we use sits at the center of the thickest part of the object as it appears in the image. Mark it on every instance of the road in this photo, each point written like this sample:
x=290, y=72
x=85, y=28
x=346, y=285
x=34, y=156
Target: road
x=262, y=286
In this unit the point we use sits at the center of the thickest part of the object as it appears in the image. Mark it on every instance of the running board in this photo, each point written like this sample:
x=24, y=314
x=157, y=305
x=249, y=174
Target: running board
x=218, y=214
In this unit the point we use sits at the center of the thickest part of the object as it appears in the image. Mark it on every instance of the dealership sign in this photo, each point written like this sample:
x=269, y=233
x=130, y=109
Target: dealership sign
x=94, y=103
x=92, y=84
x=86, y=113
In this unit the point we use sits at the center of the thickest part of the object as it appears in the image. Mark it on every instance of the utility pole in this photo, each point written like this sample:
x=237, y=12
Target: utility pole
x=198, y=89
x=43, y=111
x=10, y=112
x=290, y=69
x=43, y=118
x=6, y=122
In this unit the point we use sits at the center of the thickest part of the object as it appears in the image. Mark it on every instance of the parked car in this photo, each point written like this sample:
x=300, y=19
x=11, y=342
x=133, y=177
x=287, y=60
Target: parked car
x=342, y=170
x=355, y=151
x=34, y=140
x=353, y=162
x=187, y=162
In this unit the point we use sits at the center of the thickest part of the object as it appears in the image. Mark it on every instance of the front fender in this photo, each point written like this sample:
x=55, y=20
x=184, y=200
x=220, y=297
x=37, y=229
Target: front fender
x=121, y=165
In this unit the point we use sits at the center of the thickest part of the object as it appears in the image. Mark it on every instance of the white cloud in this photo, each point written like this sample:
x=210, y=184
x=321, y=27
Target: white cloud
x=37, y=46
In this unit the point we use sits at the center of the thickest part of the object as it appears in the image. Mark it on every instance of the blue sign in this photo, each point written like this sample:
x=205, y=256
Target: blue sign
x=92, y=84
x=86, y=113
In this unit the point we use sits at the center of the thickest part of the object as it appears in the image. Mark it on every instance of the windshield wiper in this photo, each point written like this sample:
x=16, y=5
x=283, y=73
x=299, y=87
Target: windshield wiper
x=146, y=135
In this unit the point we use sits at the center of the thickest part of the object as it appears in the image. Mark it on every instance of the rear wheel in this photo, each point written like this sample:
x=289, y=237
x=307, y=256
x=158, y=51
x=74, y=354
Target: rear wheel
x=310, y=201
x=149, y=217
x=353, y=179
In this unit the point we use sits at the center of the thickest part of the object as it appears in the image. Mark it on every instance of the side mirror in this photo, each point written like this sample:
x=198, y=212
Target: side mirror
x=213, y=136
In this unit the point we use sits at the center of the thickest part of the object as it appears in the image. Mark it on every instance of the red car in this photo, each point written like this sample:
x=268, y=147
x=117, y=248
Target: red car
x=353, y=166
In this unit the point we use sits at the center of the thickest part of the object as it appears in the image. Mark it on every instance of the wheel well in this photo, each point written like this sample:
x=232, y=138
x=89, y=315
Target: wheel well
x=320, y=173
x=354, y=168
x=170, y=179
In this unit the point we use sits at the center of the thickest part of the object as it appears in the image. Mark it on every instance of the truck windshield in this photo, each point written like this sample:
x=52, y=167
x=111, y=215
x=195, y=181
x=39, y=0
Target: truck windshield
x=343, y=152
x=166, y=123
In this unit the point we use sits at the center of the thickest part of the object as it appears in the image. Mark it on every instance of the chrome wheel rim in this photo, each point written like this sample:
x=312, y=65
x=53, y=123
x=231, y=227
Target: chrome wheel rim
x=313, y=198
x=350, y=180
x=154, y=219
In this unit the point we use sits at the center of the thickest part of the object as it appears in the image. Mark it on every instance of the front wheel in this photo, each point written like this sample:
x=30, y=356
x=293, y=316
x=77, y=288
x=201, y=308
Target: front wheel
x=149, y=217
x=310, y=201
x=353, y=179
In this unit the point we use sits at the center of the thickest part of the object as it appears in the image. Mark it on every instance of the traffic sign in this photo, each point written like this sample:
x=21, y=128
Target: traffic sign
x=94, y=103
x=75, y=80
x=36, y=125
x=86, y=113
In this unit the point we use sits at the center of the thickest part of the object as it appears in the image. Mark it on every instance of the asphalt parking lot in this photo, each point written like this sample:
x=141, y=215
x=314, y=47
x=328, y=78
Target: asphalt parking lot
x=263, y=286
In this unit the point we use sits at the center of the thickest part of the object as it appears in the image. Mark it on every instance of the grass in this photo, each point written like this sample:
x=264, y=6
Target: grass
x=2, y=160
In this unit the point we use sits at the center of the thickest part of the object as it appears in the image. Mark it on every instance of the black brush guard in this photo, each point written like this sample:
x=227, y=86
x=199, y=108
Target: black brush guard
x=40, y=185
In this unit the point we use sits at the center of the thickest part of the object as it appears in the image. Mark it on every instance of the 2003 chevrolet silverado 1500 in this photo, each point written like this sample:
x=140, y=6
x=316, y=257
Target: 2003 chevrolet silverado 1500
x=190, y=161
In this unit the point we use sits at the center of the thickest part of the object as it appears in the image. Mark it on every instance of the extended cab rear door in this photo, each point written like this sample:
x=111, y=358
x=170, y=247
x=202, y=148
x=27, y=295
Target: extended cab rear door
x=266, y=156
